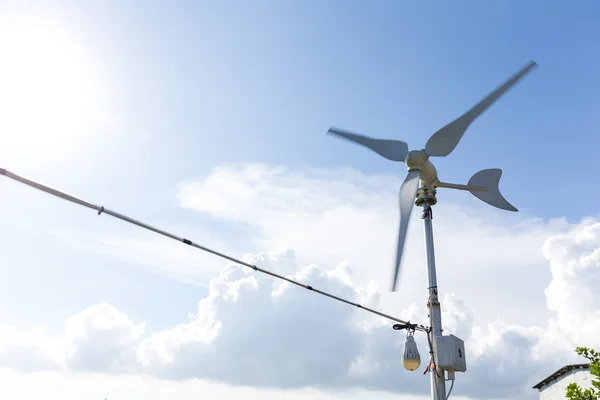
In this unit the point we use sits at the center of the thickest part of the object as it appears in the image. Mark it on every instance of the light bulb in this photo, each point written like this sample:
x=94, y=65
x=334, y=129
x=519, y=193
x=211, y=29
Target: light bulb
x=411, y=359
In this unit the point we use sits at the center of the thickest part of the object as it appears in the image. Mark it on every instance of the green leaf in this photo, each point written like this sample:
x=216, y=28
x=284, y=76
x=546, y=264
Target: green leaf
x=574, y=391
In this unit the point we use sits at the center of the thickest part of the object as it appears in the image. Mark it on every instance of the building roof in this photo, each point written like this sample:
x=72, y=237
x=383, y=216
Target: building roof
x=561, y=372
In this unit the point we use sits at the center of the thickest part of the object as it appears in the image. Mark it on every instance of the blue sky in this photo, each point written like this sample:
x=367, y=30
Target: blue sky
x=179, y=89
x=203, y=79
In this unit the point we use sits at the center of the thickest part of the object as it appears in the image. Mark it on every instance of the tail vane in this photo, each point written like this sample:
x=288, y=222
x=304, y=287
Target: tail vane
x=489, y=179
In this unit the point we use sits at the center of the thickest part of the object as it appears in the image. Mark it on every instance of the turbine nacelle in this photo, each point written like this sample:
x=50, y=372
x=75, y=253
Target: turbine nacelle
x=483, y=185
x=415, y=159
x=418, y=160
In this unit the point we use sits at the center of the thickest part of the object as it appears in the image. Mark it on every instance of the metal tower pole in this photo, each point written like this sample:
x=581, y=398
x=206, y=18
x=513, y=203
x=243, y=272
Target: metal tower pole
x=426, y=198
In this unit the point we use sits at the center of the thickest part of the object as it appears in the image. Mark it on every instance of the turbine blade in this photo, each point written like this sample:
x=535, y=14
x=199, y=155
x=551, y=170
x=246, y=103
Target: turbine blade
x=442, y=142
x=490, y=179
x=395, y=150
x=408, y=192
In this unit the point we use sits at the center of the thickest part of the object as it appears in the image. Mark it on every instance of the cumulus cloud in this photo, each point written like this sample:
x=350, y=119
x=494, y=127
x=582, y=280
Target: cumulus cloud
x=253, y=330
x=333, y=215
x=29, y=349
x=504, y=361
x=573, y=294
x=57, y=386
x=101, y=338
x=516, y=357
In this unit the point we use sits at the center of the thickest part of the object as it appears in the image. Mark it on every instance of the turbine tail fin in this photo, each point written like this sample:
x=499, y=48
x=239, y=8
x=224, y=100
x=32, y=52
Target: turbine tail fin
x=490, y=179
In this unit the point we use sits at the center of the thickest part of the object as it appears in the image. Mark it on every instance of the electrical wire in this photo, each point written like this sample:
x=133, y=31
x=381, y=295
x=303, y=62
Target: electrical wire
x=102, y=210
x=435, y=369
x=450, y=391
x=431, y=355
x=428, y=369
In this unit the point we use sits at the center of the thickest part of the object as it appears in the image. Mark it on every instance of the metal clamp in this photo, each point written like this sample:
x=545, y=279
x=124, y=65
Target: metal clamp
x=426, y=194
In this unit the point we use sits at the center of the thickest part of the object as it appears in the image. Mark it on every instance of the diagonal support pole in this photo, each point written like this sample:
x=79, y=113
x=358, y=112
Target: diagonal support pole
x=102, y=210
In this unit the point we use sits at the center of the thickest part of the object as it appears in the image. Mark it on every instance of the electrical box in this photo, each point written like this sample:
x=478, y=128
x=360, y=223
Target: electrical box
x=451, y=354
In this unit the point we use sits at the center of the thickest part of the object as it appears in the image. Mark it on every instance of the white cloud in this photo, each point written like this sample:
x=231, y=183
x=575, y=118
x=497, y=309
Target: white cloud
x=504, y=361
x=28, y=349
x=573, y=294
x=334, y=216
x=162, y=256
x=253, y=330
x=101, y=338
x=520, y=356
x=330, y=216
x=60, y=386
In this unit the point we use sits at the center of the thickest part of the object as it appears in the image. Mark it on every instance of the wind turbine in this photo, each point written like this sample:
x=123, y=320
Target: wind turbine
x=447, y=352
x=483, y=185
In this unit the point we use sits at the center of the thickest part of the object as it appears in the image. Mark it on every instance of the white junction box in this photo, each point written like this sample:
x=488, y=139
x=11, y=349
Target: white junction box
x=451, y=354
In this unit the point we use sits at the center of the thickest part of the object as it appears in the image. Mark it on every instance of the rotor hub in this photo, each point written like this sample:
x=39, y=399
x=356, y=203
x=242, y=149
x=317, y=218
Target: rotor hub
x=415, y=159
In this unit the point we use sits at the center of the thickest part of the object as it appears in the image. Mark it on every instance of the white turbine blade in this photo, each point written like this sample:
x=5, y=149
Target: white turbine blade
x=442, y=142
x=490, y=179
x=395, y=150
x=408, y=192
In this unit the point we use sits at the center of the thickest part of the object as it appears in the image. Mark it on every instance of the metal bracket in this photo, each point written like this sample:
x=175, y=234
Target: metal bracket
x=408, y=326
x=426, y=194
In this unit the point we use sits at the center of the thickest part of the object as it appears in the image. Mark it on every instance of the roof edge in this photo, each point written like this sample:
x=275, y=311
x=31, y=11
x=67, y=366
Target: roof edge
x=561, y=372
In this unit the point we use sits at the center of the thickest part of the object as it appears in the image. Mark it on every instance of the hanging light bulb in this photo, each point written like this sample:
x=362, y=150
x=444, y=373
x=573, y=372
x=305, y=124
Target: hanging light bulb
x=411, y=359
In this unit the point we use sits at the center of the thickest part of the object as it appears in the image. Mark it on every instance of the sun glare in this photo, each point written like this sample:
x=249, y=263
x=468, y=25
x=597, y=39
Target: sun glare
x=49, y=94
